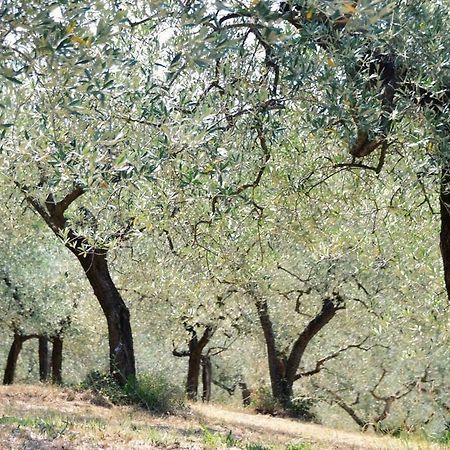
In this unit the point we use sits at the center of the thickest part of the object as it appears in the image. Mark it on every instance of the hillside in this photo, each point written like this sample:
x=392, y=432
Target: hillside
x=45, y=417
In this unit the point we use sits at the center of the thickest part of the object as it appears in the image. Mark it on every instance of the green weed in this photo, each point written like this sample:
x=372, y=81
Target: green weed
x=217, y=440
x=51, y=429
x=303, y=446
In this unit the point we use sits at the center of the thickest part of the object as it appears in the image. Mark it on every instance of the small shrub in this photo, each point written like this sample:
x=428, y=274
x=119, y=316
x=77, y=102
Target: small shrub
x=264, y=402
x=106, y=386
x=301, y=408
x=152, y=391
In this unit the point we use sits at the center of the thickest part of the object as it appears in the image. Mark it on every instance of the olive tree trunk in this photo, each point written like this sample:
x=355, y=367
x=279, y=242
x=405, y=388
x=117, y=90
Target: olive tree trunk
x=95, y=265
x=196, y=347
x=44, y=363
x=195, y=362
x=13, y=356
x=57, y=360
x=121, y=351
x=282, y=368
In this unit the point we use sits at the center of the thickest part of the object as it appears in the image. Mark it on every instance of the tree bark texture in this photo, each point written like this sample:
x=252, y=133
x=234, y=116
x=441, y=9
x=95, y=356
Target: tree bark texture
x=277, y=362
x=57, y=360
x=44, y=363
x=121, y=350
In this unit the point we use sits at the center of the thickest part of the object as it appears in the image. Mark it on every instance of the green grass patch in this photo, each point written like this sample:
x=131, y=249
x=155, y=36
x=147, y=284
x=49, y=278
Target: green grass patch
x=52, y=429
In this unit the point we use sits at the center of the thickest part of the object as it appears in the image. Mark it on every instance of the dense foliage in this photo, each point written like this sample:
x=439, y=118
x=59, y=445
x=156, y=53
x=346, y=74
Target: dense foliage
x=259, y=183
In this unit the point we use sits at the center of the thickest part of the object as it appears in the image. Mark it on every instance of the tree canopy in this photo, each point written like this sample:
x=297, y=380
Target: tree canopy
x=253, y=181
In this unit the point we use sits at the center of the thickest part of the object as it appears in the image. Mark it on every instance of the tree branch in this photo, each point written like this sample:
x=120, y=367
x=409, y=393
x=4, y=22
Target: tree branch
x=61, y=206
x=139, y=22
x=329, y=308
x=320, y=363
x=344, y=405
x=179, y=353
x=255, y=183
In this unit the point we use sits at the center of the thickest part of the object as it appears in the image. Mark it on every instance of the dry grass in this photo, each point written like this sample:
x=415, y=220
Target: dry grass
x=46, y=417
x=282, y=431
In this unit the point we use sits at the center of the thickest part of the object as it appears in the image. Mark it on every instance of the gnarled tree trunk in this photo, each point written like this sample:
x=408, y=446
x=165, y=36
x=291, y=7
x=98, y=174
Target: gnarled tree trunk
x=283, y=369
x=121, y=351
x=196, y=347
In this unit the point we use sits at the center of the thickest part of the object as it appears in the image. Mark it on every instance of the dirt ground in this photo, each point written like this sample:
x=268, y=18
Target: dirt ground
x=46, y=417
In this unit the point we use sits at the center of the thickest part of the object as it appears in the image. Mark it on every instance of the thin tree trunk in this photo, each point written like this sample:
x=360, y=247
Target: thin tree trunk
x=444, y=200
x=57, y=360
x=121, y=351
x=11, y=362
x=246, y=394
x=206, y=378
x=43, y=358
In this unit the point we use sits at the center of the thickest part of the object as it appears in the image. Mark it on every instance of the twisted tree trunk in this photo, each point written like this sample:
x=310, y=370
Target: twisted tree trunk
x=95, y=265
x=283, y=369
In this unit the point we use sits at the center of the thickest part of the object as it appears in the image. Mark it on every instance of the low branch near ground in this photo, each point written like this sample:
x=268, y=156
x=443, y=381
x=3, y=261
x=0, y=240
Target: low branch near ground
x=228, y=389
x=347, y=407
x=387, y=400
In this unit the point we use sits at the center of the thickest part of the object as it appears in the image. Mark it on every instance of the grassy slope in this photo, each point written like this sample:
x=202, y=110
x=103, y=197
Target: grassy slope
x=45, y=417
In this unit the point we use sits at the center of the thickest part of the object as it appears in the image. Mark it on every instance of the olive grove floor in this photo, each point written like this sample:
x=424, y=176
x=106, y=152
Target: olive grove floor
x=46, y=417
